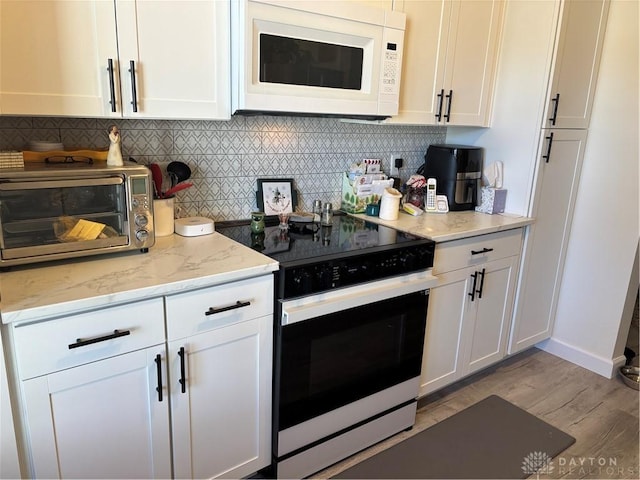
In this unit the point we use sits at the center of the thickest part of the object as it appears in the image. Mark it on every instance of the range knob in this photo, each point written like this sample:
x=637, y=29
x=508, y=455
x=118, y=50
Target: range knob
x=142, y=235
x=142, y=220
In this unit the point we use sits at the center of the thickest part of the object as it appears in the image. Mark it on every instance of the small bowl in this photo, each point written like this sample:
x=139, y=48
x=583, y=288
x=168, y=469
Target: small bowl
x=630, y=376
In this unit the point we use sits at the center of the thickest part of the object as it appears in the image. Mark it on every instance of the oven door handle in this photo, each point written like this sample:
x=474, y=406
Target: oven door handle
x=294, y=312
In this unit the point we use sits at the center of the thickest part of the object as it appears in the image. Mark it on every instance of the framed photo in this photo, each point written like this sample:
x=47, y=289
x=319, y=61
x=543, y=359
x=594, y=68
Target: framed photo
x=276, y=195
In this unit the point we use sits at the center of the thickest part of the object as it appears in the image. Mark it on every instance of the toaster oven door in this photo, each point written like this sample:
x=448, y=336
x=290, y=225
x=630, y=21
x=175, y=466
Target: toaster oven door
x=61, y=218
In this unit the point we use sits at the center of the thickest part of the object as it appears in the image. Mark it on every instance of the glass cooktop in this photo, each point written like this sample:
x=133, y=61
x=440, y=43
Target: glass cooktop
x=304, y=242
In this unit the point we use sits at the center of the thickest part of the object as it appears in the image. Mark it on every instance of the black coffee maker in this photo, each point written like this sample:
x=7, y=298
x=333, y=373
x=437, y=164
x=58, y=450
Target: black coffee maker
x=458, y=173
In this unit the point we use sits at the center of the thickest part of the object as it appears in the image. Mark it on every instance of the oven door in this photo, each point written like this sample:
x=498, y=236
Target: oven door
x=59, y=217
x=339, y=347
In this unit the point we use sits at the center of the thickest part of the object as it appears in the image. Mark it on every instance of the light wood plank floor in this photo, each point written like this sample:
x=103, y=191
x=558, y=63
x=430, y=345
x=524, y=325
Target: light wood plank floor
x=601, y=414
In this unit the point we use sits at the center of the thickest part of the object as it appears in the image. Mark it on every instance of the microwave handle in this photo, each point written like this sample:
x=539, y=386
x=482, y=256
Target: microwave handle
x=88, y=182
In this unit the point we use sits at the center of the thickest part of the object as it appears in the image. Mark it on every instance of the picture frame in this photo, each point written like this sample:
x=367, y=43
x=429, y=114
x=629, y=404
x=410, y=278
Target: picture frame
x=276, y=195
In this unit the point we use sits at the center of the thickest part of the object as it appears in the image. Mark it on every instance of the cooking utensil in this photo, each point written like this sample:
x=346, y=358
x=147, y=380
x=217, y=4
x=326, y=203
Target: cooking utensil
x=176, y=189
x=156, y=174
x=179, y=172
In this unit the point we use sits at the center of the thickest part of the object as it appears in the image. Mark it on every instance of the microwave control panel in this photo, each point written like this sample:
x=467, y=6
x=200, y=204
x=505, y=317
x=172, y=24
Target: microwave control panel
x=142, y=225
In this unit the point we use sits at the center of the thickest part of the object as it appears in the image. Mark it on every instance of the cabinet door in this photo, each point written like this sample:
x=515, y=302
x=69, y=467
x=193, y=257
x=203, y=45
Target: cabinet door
x=546, y=239
x=577, y=62
x=180, y=52
x=472, y=52
x=54, y=57
x=222, y=417
x=487, y=332
x=425, y=39
x=446, y=315
x=101, y=420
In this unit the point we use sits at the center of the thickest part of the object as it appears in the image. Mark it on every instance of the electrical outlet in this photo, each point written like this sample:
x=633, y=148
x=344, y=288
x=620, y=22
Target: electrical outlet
x=393, y=169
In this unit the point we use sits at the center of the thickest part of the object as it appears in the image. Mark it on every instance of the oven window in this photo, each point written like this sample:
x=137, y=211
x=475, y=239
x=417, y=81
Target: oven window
x=293, y=61
x=62, y=215
x=333, y=360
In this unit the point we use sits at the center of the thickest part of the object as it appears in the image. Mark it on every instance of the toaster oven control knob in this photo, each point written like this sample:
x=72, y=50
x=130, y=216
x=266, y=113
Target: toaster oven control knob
x=141, y=220
x=142, y=235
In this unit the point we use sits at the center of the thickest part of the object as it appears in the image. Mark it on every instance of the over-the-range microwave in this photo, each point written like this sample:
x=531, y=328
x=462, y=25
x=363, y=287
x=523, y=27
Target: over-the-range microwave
x=330, y=58
x=64, y=208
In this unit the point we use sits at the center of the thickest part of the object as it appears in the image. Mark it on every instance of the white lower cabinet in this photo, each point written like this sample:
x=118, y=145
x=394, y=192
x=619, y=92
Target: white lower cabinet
x=94, y=408
x=102, y=398
x=220, y=348
x=470, y=310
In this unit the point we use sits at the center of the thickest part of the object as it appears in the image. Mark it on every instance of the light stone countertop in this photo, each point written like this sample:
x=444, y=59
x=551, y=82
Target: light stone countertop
x=174, y=264
x=443, y=227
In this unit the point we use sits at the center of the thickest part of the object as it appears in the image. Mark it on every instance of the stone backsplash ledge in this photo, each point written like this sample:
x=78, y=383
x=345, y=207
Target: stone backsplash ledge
x=227, y=157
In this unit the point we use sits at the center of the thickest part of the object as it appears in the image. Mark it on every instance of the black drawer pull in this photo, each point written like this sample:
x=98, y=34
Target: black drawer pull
x=479, y=291
x=134, y=93
x=115, y=334
x=238, y=304
x=112, y=88
x=484, y=250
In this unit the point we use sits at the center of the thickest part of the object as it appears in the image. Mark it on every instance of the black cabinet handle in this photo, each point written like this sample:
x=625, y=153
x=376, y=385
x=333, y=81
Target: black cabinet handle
x=238, y=304
x=182, y=381
x=449, y=100
x=158, y=361
x=440, y=101
x=112, y=87
x=484, y=250
x=548, y=155
x=556, y=101
x=479, y=291
x=472, y=293
x=89, y=341
x=134, y=93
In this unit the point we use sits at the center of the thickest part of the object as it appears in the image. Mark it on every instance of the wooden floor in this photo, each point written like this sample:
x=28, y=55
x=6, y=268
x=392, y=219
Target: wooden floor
x=601, y=414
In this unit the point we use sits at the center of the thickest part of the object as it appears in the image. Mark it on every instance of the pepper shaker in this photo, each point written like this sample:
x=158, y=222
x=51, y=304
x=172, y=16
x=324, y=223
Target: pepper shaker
x=317, y=210
x=327, y=214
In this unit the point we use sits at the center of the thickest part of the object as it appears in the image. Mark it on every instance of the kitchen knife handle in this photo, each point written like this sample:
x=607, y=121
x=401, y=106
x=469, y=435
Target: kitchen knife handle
x=548, y=155
x=238, y=304
x=158, y=361
x=90, y=341
x=556, y=101
x=112, y=87
x=440, y=101
x=134, y=93
x=479, y=291
x=472, y=293
x=182, y=381
x=449, y=100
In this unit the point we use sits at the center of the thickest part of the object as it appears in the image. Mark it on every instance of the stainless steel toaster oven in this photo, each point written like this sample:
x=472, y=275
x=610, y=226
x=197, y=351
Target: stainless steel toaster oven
x=51, y=211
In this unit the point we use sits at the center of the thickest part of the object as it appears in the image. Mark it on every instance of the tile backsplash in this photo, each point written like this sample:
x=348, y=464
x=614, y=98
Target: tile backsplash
x=227, y=157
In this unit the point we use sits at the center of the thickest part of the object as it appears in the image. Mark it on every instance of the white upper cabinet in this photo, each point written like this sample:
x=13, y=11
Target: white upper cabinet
x=451, y=50
x=132, y=59
x=576, y=64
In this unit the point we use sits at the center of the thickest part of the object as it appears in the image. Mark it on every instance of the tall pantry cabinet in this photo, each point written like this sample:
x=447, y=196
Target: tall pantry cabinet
x=561, y=151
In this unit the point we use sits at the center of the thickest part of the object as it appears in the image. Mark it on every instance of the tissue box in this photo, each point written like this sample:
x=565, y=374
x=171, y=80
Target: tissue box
x=492, y=200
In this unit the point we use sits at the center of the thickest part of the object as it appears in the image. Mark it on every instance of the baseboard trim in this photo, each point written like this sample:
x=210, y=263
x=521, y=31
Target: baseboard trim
x=606, y=367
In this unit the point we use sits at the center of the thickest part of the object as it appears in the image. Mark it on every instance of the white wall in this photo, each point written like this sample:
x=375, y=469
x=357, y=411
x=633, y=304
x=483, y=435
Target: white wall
x=520, y=98
x=605, y=228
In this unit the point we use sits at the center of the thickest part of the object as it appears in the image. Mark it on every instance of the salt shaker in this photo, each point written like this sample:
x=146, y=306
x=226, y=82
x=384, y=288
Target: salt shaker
x=327, y=214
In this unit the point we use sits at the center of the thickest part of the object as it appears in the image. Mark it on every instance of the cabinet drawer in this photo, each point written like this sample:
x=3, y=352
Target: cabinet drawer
x=476, y=250
x=66, y=342
x=214, y=307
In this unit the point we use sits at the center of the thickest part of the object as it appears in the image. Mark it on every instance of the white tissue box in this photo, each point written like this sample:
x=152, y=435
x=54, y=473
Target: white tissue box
x=492, y=200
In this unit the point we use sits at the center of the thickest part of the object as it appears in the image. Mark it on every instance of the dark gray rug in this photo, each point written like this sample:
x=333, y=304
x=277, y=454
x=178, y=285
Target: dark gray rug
x=491, y=439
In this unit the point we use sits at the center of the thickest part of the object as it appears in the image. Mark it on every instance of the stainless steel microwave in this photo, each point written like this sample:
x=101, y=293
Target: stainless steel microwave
x=51, y=211
x=333, y=58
